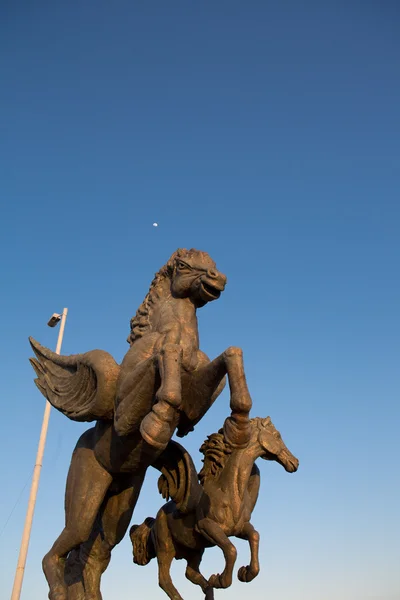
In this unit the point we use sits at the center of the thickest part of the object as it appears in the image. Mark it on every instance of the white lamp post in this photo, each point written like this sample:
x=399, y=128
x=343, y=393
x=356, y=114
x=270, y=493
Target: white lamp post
x=19, y=573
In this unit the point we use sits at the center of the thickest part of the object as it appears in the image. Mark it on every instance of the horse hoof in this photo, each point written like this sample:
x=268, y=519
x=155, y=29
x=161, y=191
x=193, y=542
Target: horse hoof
x=155, y=432
x=217, y=581
x=245, y=574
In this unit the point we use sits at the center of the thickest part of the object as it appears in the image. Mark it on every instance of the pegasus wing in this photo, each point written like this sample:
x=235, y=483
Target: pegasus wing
x=178, y=480
x=81, y=386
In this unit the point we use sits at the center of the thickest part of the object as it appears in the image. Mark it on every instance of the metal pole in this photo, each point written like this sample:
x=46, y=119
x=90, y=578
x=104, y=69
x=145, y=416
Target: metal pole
x=19, y=573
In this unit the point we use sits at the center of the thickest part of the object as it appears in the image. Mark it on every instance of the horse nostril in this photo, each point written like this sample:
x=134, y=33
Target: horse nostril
x=212, y=273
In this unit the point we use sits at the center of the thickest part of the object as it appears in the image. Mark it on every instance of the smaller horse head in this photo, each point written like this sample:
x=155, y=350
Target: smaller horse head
x=271, y=445
x=194, y=275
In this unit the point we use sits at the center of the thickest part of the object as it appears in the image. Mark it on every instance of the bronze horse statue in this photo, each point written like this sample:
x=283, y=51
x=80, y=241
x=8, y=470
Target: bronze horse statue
x=165, y=383
x=206, y=513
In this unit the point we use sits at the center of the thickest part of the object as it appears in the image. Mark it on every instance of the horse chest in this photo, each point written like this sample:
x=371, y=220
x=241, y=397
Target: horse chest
x=227, y=511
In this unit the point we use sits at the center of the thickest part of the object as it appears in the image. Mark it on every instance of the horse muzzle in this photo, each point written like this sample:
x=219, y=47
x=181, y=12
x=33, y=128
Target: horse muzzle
x=212, y=285
x=288, y=461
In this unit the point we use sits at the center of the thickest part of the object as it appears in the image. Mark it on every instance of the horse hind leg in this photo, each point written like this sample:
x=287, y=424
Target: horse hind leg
x=194, y=575
x=109, y=530
x=165, y=550
x=87, y=484
x=165, y=559
x=74, y=575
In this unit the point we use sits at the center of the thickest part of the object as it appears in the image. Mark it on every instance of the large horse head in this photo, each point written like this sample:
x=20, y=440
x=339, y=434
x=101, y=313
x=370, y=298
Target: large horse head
x=188, y=274
x=194, y=275
x=270, y=444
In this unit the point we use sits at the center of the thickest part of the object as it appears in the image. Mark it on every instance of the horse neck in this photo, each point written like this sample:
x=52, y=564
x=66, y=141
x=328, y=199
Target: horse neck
x=165, y=310
x=237, y=470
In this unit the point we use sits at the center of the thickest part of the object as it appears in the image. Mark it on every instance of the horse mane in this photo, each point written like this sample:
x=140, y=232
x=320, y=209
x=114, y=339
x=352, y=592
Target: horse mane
x=141, y=322
x=216, y=450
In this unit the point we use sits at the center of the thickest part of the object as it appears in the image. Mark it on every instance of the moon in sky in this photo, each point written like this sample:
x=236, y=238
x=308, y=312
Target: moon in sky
x=155, y=224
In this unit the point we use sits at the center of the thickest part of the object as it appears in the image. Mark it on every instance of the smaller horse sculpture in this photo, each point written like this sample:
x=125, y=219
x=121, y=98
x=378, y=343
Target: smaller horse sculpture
x=206, y=514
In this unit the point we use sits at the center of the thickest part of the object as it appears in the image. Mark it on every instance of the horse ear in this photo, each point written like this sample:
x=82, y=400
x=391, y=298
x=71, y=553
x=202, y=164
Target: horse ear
x=171, y=263
x=267, y=421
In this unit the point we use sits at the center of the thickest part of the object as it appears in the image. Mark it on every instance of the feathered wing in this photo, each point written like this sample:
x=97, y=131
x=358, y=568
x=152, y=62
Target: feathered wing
x=81, y=386
x=178, y=480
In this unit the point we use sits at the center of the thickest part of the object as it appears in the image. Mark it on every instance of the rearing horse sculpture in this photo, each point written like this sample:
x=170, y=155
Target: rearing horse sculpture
x=165, y=382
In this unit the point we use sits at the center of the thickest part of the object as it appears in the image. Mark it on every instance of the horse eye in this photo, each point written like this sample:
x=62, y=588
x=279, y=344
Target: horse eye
x=182, y=266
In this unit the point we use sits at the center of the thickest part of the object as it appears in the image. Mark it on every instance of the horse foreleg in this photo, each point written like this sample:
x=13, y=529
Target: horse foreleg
x=208, y=382
x=135, y=395
x=194, y=575
x=214, y=534
x=248, y=573
x=158, y=426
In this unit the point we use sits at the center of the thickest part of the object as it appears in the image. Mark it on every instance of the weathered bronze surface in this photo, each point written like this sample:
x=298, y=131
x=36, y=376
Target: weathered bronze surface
x=165, y=383
x=207, y=512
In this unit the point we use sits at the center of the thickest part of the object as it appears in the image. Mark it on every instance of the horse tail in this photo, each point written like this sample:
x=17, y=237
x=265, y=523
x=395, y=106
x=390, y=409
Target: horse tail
x=142, y=543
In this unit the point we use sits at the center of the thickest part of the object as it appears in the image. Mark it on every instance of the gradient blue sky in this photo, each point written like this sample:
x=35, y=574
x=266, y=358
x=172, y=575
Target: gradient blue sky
x=266, y=133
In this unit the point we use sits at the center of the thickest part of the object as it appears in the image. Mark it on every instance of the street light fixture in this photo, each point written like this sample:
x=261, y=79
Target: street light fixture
x=19, y=573
x=54, y=319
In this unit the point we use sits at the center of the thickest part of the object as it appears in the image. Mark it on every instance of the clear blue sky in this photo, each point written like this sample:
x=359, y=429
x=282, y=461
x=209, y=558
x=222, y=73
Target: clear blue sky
x=266, y=133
